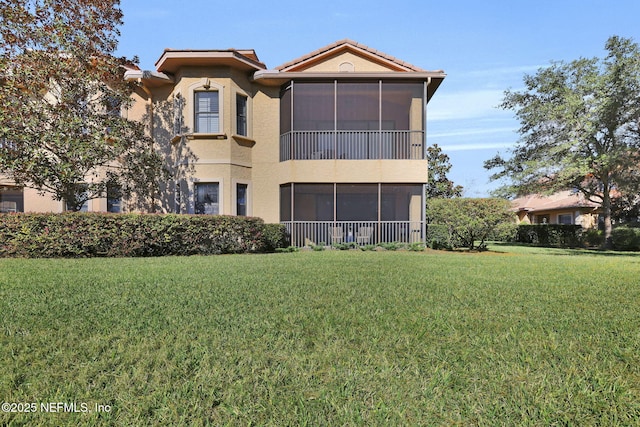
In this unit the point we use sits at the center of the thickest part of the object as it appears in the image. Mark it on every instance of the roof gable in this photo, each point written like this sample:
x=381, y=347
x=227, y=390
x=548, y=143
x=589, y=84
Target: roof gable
x=330, y=57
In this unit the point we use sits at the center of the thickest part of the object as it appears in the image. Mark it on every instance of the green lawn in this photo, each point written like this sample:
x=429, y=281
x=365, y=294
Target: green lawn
x=324, y=338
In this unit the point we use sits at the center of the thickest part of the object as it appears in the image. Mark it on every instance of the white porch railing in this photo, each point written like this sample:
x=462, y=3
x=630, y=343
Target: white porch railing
x=304, y=233
x=352, y=145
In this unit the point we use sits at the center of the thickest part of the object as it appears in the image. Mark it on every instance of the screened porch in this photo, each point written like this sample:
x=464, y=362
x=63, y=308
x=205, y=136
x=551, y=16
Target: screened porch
x=365, y=214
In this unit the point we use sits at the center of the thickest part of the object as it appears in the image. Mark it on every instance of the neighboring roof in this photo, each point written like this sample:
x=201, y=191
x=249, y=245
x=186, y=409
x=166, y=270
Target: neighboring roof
x=244, y=59
x=318, y=55
x=556, y=201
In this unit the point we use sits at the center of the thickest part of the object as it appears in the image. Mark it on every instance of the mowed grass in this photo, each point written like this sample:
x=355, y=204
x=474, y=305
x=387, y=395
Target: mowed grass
x=324, y=338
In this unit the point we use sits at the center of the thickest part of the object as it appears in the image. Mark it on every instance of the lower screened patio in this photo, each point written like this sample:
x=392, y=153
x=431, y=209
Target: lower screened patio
x=365, y=214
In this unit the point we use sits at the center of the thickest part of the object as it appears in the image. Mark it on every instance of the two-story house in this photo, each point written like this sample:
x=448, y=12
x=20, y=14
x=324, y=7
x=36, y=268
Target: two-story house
x=331, y=144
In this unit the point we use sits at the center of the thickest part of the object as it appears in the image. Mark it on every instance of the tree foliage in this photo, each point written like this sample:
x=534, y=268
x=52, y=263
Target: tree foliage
x=61, y=97
x=580, y=129
x=471, y=220
x=439, y=186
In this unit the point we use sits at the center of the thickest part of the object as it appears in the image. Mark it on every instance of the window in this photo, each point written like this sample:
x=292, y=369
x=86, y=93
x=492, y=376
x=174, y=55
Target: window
x=565, y=219
x=241, y=199
x=114, y=196
x=81, y=194
x=207, y=198
x=178, y=107
x=11, y=199
x=241, y=118
x=207, y=112
x=112, y=105
x=543, y=219
x=178, y=198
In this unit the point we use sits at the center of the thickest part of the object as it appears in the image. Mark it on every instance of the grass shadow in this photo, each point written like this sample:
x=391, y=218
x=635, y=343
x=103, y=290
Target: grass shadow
x=522, y=248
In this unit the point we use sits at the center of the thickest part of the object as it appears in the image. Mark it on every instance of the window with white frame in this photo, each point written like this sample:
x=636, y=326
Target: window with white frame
x=207, y=112
x=207, y=198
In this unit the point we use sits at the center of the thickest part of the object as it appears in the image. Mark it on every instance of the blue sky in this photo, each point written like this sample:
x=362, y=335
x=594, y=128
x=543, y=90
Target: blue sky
x=485, y=47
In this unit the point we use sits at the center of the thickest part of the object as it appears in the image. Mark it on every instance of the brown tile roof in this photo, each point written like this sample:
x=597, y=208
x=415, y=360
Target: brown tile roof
x=347, y=43
x=556, y=201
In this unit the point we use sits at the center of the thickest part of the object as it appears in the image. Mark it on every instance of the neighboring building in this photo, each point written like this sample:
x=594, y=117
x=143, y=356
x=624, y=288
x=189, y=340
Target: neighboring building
x=331, y=144
x=565, y=207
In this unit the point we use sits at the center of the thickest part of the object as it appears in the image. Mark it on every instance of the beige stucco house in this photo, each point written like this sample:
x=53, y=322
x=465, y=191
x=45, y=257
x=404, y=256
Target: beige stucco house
x=564, y=207
x=331, y=144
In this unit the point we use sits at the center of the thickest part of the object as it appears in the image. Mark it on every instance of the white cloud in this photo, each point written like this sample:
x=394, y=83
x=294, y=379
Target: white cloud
x=501, y=72
x=465, y=105
x=483, y=99
x=470, y=132
x=478, y=146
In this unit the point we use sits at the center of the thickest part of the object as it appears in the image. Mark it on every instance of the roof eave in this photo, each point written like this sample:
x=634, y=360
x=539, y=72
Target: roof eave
x=152, y=78
x=277, y=78
x=171, y=60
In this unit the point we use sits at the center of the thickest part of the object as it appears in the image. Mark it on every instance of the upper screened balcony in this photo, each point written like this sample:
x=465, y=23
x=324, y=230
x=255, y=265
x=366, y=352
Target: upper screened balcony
x=352, y=120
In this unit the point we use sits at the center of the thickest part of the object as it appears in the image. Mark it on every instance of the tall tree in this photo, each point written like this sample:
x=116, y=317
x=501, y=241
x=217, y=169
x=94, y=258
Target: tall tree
x=580, y=129
x=439, y=186
x=61, y=97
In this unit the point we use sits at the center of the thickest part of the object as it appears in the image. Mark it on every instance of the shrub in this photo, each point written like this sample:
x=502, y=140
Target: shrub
x=470, y=220
x=626, y=238
x=391, y=246
x=593, y=237
x=416, y=247
x=75, y=235
x=345, y=246
x=550, y=235
x=438, y=237
x=274, y=236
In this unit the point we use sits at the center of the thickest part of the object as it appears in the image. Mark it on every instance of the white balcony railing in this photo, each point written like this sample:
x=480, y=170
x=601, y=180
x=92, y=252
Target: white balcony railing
x=304, y=233
x=352, y=145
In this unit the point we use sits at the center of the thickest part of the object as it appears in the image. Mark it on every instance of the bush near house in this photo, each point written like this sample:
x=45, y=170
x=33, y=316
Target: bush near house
x=550, y=235
x=626, y=238
x=79, y=235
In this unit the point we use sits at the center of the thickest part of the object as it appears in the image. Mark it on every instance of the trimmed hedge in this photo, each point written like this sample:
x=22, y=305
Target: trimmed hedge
x=626, y=238
x=79, y=235
x=550, y=235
